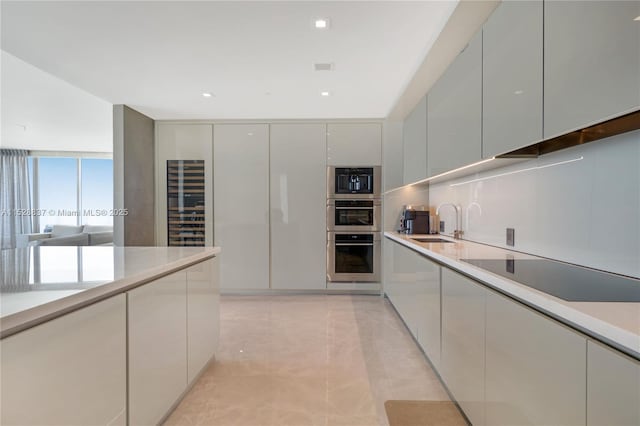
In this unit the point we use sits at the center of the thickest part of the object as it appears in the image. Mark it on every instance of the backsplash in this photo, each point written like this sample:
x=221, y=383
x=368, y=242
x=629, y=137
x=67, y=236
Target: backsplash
x=394, y=202
x=580, y=205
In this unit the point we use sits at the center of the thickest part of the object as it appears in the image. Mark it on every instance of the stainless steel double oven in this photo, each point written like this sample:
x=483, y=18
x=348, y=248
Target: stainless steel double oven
x=354, y=215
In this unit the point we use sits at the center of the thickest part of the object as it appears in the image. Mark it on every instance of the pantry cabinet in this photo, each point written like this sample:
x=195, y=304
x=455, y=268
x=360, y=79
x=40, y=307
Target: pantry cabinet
x=414, y=139
x=535, y=367
x=463, y=342
x=354, y=144
x=512, y=77
x=454, y=119
x=298, y=206
x=591, y=62
x=241, y=204
x=613, y=387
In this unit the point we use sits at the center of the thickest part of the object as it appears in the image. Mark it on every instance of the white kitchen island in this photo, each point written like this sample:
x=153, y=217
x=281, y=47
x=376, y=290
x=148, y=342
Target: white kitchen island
x=104, y=335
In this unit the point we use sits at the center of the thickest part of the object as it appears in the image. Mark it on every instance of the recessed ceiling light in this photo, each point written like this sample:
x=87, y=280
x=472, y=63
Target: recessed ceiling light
x=637, y=18
x=323, y=66
x=207, y=94
x=325, y=93
x=518, y=92
x=321, y=23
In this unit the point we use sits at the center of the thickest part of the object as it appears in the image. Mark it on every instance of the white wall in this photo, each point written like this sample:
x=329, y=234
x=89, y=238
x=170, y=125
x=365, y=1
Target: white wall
x=42, y=112
x=585, y=211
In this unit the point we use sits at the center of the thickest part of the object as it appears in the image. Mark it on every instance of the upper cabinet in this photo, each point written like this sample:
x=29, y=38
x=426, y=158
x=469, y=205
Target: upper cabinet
x=591, y=62
x=414, y=138
x=454, y=121
x=182, y=212
x=512, y=77
x=354, y=144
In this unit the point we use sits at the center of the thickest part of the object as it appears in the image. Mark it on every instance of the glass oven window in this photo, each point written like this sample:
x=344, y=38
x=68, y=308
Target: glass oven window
x=354, y=259
x=353, y=217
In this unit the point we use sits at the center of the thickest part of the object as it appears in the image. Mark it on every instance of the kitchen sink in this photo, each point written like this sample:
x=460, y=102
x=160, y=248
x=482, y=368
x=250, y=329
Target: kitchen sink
x=432, y=240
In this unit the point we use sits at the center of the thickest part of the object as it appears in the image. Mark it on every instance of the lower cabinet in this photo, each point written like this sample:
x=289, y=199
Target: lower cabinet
x=157, y=320
x=68, y=371
x=203, y=322
x=503, y=362
x=535, y=368
x=173, y=333
x=463, y=342
x=613, y=387
x=427, y=307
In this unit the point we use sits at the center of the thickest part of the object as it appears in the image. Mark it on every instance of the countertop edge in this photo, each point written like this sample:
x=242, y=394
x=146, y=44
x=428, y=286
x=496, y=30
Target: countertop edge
x=600, y=330
x=23, y=320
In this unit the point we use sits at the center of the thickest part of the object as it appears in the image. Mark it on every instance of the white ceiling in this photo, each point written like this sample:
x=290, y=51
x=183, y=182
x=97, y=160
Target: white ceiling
x=255, y=57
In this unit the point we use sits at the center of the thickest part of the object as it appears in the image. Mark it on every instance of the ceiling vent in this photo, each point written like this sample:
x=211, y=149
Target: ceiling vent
x=323, y=66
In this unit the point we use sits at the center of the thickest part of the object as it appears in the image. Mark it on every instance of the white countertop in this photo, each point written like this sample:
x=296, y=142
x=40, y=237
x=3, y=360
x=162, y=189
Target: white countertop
x=614, y=323
x=41, y=283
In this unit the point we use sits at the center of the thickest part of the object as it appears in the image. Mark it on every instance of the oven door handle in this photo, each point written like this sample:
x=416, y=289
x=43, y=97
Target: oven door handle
x=354, y=244
x=354, y=208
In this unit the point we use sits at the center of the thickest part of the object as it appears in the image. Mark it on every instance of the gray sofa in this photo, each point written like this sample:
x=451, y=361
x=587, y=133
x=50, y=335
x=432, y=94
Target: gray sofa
x=69, y=235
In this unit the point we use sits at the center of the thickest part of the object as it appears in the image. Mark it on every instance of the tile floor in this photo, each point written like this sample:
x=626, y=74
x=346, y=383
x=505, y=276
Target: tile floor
x=308, y=360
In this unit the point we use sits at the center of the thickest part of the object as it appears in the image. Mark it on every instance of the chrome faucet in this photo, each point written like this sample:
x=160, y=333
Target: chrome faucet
x=457, y=233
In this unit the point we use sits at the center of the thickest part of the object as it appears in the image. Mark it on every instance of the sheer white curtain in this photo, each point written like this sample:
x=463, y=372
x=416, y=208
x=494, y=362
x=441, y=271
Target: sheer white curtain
x=14, y=196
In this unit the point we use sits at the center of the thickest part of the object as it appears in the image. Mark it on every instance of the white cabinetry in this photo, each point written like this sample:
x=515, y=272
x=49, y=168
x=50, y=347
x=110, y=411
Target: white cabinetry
x=512, y=77
x=354, y=144
x=591, y=62
x=613, y=387
x=68, y=371
x=463, y=342
x=241, y=204
x=414, y=138
x=298, y=206
x=427, y=302
x=454, y=119
x=183, y=142
x=203, y=320
x=400, y=283
x=535, y=368
x=157, y=318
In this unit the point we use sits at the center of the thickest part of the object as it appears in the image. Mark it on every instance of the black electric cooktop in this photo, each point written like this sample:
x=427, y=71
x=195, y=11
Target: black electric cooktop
x=567, y=282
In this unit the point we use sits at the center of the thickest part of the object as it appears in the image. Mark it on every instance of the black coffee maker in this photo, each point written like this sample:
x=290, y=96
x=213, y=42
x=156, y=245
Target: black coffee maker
x=414, y=220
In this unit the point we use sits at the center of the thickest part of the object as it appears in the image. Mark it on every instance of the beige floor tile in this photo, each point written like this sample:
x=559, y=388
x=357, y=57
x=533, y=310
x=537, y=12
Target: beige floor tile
x=308, y=360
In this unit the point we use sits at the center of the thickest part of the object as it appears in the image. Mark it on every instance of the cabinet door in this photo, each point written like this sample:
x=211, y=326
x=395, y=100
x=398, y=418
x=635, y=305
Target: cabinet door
x=414, y=138
x=241, y=204
x=591, y=62
x=463, y=334
x=427, y=301
x=535, y=368
x=401, y=287
x=183, y=142
x=613, y=387
x=298, y=206
x=454, y=119
x=354, y=144
x=68, y=371
x=203, y=315
x=157, y=321
x=512, y=77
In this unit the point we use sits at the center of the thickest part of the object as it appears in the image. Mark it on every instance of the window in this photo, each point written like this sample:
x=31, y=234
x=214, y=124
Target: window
x=58, y=191
x=71, y=191
x=97, y=191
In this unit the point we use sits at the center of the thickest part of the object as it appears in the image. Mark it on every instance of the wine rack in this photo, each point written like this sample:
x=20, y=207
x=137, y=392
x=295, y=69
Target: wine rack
x=185, y=202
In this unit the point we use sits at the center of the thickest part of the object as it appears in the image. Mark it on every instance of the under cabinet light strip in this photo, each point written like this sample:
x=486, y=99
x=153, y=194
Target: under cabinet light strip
x=441, y=175
x=517, y=171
